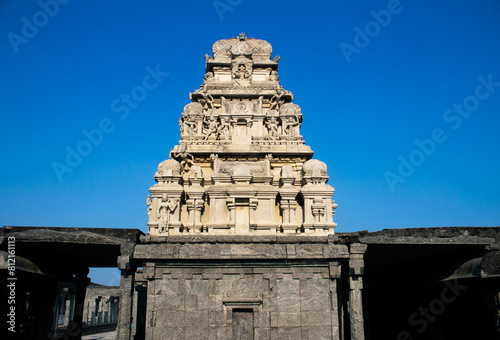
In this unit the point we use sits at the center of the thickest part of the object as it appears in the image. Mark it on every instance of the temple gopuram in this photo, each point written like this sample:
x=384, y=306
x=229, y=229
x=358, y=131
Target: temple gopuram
x=241, y=166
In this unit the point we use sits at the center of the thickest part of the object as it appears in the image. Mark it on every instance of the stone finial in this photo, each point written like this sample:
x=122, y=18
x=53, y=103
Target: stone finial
x=242, y=45
x=192, y=109
x=290, y=109
x=169, y=167
x=314, y=168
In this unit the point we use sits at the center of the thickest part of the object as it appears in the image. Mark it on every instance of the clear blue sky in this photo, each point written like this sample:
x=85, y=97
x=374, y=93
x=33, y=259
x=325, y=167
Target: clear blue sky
x=430, y=70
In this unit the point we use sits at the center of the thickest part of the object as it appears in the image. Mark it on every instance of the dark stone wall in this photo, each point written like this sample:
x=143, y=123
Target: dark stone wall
x=293, y=301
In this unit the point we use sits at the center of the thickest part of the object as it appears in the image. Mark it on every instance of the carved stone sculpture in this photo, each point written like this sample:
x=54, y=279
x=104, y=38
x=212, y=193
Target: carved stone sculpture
x=242, y=70
x=187, y=160
x=209, y=76
x=272, y=127
x=274, y=76
x=224, y=132
x=210, y=126
x=167, y=207
x=149, y=202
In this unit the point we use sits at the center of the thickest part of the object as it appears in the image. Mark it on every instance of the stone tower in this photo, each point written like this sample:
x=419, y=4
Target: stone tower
x=241, y=166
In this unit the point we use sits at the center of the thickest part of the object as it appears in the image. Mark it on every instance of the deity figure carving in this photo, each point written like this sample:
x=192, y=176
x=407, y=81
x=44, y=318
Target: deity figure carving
x=187, y=160
x=206, y=98
x=290, y=124
x=211, y=126
x=215, y=162
x=224, y=105
x=181, y=125
x=209, y=76
x=241, y=71
x=273, y=76
x=167, y=207
x=188, y=125
x=272, y=127
x=150, y=207
x=277, y=99
x=223, y=132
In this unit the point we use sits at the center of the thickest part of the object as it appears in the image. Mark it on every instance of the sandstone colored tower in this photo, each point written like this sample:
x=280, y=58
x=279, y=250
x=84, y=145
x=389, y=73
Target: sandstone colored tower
x=241, y=166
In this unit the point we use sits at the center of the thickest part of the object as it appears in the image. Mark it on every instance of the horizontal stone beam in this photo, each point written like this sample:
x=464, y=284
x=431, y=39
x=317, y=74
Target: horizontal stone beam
x=242, y=251
x=458, y=240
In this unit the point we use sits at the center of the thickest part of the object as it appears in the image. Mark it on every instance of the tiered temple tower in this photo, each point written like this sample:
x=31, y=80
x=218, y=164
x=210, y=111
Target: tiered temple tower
x=241, y=166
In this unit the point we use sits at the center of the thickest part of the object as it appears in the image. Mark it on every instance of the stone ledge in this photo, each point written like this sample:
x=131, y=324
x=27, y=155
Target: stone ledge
x=236, y=251
x=298, y=238
x=458, y=240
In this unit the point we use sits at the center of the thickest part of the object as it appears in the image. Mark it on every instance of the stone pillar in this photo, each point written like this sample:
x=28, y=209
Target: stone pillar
x=126, y=290
x=85, y=318
x=335, y=276
x=133, y=331
x=356, y=268
x=67, y=309
x=106, y=310
x=92, y=312
x=149, y=274
x=74, y=329
x=125, y=312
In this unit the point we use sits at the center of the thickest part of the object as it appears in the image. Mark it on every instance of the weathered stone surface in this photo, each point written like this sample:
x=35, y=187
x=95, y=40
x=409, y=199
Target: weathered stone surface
x=201, y=305
x=319, y=333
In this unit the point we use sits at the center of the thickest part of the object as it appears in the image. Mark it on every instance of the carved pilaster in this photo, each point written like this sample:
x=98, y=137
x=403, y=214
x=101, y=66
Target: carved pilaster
x=356, y=268
x=195, y=202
